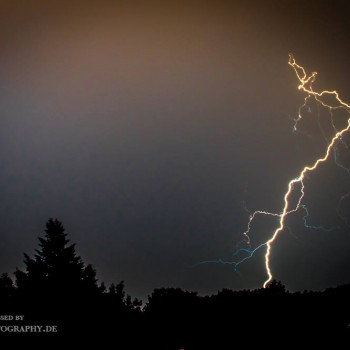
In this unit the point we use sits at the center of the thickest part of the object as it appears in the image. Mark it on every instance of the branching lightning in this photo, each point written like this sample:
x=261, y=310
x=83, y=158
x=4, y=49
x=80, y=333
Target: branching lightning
x=306, y=85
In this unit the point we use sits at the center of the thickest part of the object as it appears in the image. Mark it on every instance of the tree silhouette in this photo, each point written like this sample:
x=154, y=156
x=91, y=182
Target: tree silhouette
x=7, y=289
x=118, y=298
x=56, y=269
x=275, y=288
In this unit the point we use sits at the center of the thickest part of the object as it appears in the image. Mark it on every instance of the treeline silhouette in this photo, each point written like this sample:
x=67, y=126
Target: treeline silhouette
x=57, y=288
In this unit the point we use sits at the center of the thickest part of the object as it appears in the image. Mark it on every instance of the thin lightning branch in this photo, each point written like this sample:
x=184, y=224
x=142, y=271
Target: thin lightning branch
x=344, y=196
x=296, y=120
x=235, y=264
x=251, y=218
x=322, y=228
x=342, y=217
x=347, y=170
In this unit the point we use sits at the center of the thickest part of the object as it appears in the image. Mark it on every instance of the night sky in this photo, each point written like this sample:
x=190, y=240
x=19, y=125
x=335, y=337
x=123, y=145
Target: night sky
x=152, y=130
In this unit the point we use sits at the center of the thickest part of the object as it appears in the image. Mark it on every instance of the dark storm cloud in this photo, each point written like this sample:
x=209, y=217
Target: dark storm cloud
x=144, y=127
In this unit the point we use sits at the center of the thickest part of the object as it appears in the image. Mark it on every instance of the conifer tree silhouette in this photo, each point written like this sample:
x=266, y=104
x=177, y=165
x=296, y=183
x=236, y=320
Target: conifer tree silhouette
x=56, y=269
x=7, y=289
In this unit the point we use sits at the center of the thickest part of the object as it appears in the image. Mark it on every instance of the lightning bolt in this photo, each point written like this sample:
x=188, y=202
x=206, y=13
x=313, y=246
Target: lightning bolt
x=306, y=85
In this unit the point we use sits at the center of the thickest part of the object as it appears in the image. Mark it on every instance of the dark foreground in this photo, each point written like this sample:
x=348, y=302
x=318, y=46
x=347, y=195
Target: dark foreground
x=57, y=298
x=176, y=319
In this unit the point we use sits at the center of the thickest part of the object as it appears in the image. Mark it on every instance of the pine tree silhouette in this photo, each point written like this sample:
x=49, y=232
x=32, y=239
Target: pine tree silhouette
x=56, y=269
x=7, y=289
